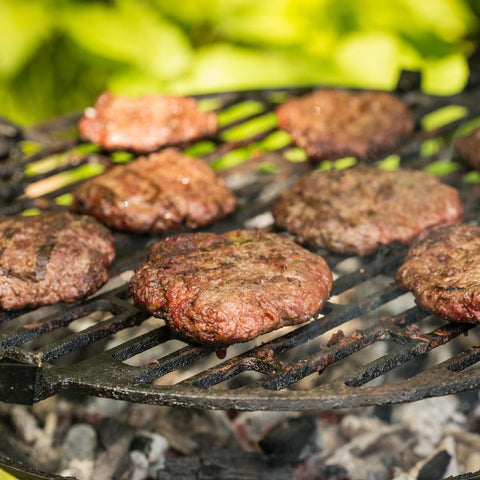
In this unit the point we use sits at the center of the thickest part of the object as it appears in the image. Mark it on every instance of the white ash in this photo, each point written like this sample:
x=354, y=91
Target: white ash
x=427, y=420
x=39, y=439
x=78, y=452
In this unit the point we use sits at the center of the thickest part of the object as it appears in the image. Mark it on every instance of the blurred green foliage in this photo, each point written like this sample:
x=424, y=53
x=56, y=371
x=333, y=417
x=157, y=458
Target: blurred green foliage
x=58, y=55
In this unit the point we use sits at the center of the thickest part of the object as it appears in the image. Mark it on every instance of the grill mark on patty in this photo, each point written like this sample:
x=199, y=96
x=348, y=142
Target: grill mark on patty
x=157, y=189
x=43, y=258
x=51, y=257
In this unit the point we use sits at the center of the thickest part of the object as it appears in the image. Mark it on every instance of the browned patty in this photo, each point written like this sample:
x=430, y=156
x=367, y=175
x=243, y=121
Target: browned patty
x=156, y=193
x=51, y=257
x=361, y=208
x=331, y=124
x=469, y=148
x=222, y=289
x=144, y=124
x=443, y=272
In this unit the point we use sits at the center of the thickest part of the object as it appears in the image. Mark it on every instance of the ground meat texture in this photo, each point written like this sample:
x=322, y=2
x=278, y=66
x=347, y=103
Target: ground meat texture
x=144, y=124
x=157, y=193
x=222, y=289
x=331, y=124
x=51, y=257
x=361, y=208
x=443, y=272
x=469, y=148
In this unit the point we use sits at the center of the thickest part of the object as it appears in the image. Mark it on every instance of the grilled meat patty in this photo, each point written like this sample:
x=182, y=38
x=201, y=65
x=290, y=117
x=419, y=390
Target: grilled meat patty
x=51, y=257
x=443, y=272
x=361, y=208
x=222, y=289
x=156, y=193
x=469, y=148
x=331, y=123
x=144, y=124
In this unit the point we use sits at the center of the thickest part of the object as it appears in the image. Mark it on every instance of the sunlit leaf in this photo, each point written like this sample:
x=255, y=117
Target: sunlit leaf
x=24, y=25
x=200, y=148
x=392, y=162
x=133, y=33
x=250, y=128
x=259, y=22
x=65, y=199
x=370, y=58
x=239, y=111
x=296, y=155
x=431, y=146
x=443, y=116
x=442, y=167
x=445, y=76
x=268, y=167
x=472, y=177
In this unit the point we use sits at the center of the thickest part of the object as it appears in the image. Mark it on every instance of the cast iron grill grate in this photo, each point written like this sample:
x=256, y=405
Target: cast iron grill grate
x=370, y=344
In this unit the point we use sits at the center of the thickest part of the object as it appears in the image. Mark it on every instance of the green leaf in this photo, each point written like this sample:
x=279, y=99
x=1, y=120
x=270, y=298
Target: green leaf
x=443, y=116
x=30, y=212
x=65, y=199
x=392, y=162
x=472, y=177
x=445, y=76
x=268, y=167
x=232, y=158
x=296, y=155
x=251, y=127
x=200, y=148
x=239, y=111
x=431, y=146
x=442, y=167
x=133, y=33
x=122, y=157
x=275, y=140
x=24, y=25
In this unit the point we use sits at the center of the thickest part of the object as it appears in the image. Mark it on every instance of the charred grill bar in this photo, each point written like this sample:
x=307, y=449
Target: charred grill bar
x=34, y=366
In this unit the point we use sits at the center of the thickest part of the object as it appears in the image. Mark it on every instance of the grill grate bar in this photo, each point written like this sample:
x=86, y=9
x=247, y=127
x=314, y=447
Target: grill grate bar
x=285, y=362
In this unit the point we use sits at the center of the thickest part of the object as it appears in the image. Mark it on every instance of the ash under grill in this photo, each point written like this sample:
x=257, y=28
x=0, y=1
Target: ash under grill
x=370, y=345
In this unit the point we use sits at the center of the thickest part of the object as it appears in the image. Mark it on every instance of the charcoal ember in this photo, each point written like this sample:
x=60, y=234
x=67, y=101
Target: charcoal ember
x=110, y=430
x=311, y=470
x=228, y=464
x=114, y=440
x=439, y=464
x=146, y=457
x=78, y=452
x=435, y=467
x=190, y=430
x=287, y=441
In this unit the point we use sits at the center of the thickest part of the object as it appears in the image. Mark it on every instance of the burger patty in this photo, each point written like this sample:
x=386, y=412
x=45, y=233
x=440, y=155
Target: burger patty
x=156, y=193
x=361, y=208
x=331, y=124
x=51, y=257
x=222, y=289
x=144, y=124
x=469, y=148
x=443, y=272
